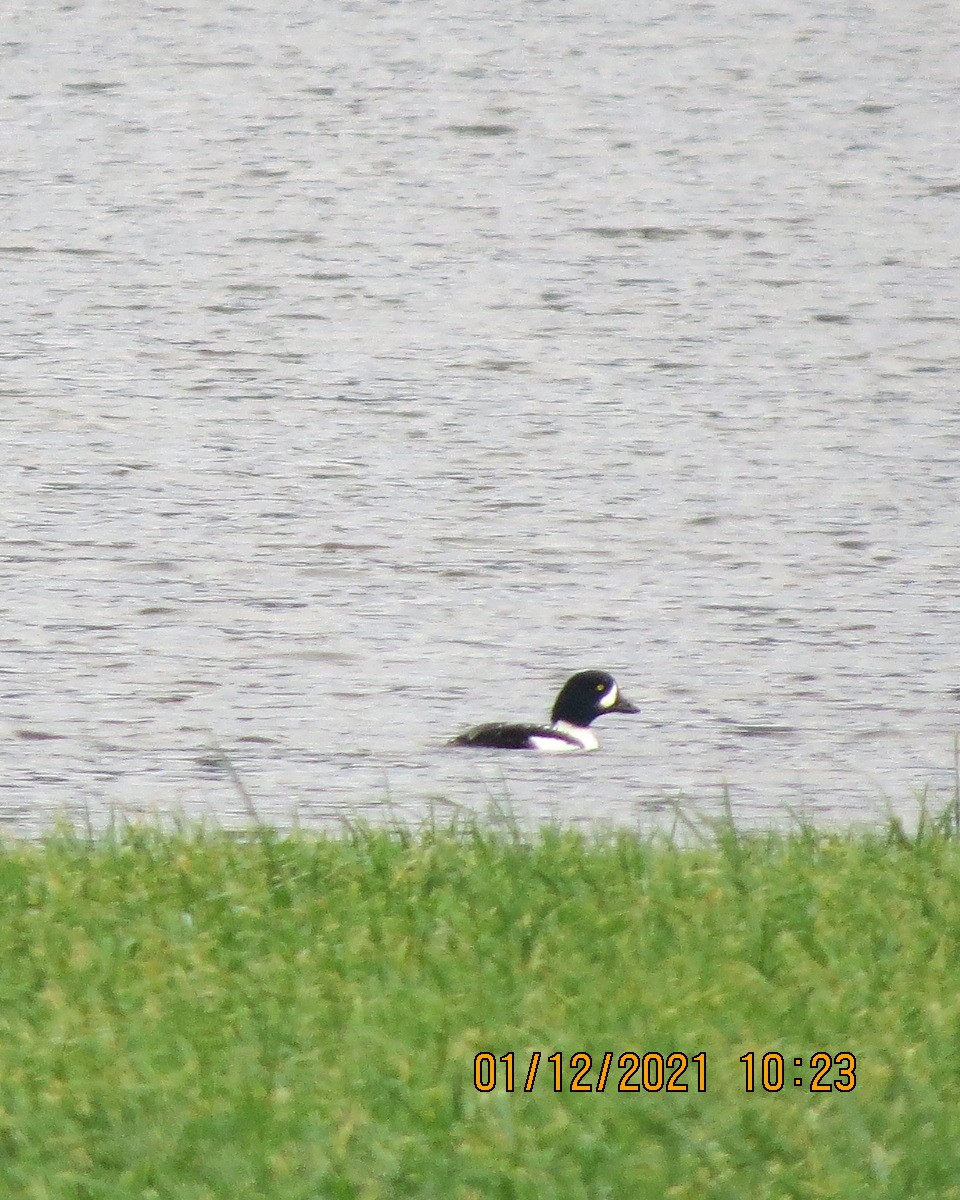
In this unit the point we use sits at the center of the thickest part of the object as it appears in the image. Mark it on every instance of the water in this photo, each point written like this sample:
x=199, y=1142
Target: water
x=367, y=370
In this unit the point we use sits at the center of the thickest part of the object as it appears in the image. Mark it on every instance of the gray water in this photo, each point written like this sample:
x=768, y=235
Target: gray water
x=367, y=368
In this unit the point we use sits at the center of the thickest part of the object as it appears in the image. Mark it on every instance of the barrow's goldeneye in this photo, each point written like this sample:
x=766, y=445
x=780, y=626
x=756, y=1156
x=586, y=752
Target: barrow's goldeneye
x=584, y=697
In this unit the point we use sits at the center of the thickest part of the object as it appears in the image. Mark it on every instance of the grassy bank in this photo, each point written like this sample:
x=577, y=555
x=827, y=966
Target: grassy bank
x=198, y=1015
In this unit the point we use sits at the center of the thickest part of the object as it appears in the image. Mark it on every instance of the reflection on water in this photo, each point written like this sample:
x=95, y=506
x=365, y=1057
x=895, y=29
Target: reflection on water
x=364, y=374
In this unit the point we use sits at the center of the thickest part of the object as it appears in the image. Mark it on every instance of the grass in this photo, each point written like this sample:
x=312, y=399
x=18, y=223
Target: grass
x=195, y=1015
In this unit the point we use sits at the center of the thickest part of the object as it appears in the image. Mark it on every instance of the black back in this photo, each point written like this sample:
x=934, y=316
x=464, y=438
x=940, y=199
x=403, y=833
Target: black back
x=500, y=735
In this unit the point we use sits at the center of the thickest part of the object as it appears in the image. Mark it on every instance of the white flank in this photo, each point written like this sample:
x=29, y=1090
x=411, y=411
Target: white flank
x=553, y=745
x=584, y=739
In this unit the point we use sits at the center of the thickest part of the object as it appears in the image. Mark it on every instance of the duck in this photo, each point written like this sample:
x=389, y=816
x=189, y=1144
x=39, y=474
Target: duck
x=584, y=697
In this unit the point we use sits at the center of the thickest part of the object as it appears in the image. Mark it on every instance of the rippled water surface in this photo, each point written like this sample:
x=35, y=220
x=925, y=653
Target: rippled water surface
x=366, y=369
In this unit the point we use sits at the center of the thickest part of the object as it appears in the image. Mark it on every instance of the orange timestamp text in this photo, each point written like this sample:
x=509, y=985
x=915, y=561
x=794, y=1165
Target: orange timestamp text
x=633, y=1071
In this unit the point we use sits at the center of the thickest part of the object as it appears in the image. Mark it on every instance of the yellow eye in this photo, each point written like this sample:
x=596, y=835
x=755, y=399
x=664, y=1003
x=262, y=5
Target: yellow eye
x=600, y=687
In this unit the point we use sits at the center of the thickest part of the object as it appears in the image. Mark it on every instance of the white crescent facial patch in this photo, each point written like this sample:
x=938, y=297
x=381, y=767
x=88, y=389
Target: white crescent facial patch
x=609, y=698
